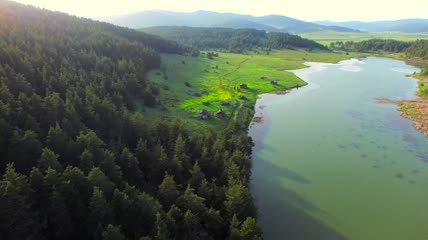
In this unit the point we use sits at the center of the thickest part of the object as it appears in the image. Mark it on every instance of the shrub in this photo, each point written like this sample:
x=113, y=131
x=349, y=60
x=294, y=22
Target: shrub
x=149, y=99
x=155, y=90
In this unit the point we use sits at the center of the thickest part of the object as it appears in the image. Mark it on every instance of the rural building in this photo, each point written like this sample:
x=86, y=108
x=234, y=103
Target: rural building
x=225, y=103
x=204, y=114
x=220, y=114
x=274, y=82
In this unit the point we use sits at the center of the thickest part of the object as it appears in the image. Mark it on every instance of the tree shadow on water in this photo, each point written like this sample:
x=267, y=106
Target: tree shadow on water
x=268, y=168
x=284, y=214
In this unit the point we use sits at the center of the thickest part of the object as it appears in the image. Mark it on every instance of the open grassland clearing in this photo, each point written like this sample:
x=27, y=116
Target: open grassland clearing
x=189, y=84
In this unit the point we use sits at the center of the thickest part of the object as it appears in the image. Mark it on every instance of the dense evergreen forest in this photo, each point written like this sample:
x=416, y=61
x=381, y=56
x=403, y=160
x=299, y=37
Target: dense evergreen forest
x=418, y=48
x=232, y=40
x=79, y=163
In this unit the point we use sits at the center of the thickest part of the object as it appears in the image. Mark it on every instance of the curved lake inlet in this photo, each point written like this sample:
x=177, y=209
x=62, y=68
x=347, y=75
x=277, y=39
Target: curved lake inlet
x=331, y=163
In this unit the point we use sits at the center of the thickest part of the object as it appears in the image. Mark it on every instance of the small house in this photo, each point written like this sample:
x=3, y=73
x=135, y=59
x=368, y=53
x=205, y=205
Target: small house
x=225, y=103
x=220, y=114
x=274, y=82
x=204, y=114
x=243, y=86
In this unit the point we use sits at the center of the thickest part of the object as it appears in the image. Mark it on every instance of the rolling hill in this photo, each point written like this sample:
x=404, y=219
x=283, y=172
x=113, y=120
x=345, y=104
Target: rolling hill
x=214, y=19
x=78, y=158
x=233, y=40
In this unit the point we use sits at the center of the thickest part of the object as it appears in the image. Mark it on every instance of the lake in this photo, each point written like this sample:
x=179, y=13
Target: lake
x=331, y=163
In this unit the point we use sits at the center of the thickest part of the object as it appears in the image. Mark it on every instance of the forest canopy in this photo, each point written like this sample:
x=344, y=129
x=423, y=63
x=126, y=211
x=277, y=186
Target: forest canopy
x=78, y=162
x=418, y=48
x=233, y=40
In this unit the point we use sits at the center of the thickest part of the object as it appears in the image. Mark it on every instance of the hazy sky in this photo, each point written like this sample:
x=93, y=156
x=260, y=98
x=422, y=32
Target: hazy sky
x=309, y=10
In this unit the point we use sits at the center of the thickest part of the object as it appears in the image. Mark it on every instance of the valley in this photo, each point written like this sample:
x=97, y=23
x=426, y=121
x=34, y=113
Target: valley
x=191, y=124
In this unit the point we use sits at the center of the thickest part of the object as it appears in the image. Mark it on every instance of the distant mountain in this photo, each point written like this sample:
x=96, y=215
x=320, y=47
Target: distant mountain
x=268, y=23
x=404, y=25
x=242, y=23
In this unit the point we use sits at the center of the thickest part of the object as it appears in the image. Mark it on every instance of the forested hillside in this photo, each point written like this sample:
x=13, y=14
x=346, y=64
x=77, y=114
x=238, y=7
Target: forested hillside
x=79, y=163
x=416, y=49
x=233, y=40
x=278, y=40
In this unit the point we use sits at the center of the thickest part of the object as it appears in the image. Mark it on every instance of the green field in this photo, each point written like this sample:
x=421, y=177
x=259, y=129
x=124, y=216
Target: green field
x=217, y=80
x=326, y=37
x=423, y=82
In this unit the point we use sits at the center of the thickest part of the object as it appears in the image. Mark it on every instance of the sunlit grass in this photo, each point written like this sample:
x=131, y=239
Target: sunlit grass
x=210, y=82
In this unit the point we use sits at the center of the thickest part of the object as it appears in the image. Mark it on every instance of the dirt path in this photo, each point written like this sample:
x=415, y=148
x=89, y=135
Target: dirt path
x=236, y=69
x=222, y=77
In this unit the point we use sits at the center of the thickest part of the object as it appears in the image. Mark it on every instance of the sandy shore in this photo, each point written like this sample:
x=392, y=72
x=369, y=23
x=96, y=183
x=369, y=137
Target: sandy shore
x=416, y=110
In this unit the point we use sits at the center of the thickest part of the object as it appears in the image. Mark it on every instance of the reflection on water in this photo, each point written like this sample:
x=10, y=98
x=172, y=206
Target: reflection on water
x=351, y=68
x=332, y=163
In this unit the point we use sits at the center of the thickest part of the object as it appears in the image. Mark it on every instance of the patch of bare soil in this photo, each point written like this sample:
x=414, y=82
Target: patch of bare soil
x=386, y=101
x=417, y=111
x=282, y=92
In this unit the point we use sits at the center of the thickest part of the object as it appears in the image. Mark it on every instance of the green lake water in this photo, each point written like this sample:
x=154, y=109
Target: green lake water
x=331, y=163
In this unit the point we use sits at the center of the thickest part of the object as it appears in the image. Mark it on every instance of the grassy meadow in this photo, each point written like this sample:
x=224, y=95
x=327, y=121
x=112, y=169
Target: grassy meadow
x=423, y=82
x=326, y=37
x=188, y=84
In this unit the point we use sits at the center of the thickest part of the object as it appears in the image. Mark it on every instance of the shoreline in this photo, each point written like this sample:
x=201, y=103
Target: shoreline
x=268, y=154
x=414, y=109
x=260, y=120
x=417, y=109
x=303, y=74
